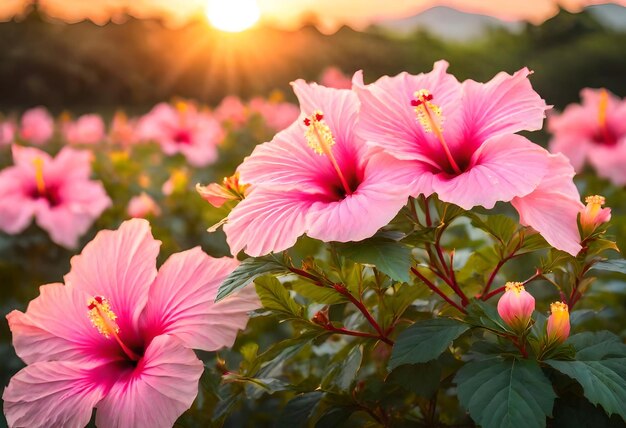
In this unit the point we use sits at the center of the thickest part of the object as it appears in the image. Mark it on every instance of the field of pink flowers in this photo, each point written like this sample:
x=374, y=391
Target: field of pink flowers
x=397, y=253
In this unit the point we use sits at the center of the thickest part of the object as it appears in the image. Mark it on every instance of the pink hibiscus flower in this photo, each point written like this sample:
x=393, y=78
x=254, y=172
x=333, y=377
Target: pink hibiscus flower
x=459, y=141
x=277, y=115
x=316, y=177
x=122, y=130
x=593, y=131
x=183, y=129
x=37, y=126
x=87, y=129
x=118, y=336
x=7, y=132
x=334, y=78
x=142, y=206
x=231, y=111
x=56, y=191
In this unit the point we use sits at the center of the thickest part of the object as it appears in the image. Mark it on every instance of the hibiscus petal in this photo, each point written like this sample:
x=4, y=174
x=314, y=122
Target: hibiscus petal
x=286, y=162
x=51, y=394
x=388, y=120
x=64, y=226
x=502, y=168
x=504, y=105
x=384, y=191
x=182, y=304
x=552, y=209
x=70, y=164
x=119, y=265
x=25, y=157
x=267, y=221
x=56, y=326
x=610, y=162
x=162, y=387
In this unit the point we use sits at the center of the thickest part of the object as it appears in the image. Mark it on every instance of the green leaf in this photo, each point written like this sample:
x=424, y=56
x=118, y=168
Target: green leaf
x=532, y=242
x=593, y=346
x=342, y=373
x=317, y=294
x=298, y=410
x=248, y=271
x=275, y=297
x=334, y=417
x=421, y=379
x=482, y=314
x=505, y=393
x=611, y=266
x=424, y=341
x=499, y=226
x=603, y=382
x=388, y=255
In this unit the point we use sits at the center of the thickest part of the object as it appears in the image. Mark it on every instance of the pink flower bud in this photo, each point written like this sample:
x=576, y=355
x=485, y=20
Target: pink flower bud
x=516, y=306
x=558, y=322
x=593, y=215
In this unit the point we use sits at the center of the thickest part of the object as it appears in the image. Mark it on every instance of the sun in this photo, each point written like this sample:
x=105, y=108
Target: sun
x=233, y=15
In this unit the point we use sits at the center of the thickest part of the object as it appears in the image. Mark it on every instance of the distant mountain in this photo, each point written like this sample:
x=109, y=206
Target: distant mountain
x=611, y=15
x=448, y=23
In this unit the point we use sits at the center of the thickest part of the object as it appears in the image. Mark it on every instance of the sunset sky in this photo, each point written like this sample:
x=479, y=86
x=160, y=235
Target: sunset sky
x=289, y=13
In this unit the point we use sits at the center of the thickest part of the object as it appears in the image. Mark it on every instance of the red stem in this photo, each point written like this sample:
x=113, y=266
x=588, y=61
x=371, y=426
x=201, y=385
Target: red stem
x=434, y=288
x=340, y=330
x=382, y=335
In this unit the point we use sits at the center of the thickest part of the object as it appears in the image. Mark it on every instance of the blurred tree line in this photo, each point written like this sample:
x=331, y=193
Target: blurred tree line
x=135, y=64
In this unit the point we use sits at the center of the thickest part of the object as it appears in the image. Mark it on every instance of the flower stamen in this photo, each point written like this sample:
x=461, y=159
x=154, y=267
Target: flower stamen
x=320, y=138
x=41, y=184
x=430, y=117
x=602, y=107
x=103, y=319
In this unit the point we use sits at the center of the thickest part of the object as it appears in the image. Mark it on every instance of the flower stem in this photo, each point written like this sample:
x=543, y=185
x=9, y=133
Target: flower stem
x=434, y=288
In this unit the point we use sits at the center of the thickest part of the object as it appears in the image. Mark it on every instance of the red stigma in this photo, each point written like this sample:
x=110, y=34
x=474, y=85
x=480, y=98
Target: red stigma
x=307, y=121
x=428, y=97
x=319, y=116
x=416, y=103
x=91, y=306
x=98, y=299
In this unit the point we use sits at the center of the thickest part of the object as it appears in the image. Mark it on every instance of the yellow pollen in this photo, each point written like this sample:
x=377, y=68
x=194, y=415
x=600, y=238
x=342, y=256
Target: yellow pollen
x=102, y=316
x=602, y=106
x=428, y=114
x=558, y=307
x=41, y=184
x=517, y=287
x=318, y=134
x=595, y=200
x=320, y=138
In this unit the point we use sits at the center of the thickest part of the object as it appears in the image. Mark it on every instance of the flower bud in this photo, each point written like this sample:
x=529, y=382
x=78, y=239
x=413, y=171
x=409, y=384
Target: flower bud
x=593, y=215
x=516, y=306
x=229, y=190
x=558, y=322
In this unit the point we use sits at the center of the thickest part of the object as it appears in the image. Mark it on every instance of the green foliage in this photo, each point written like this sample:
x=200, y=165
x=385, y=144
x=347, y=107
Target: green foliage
x=502, y=393
x=600, y=368
x=421, y=379
x=424, y=341
x=275, y=297
x=384, y=252
x=298, y=410
x=250, y=269
x=612, y=266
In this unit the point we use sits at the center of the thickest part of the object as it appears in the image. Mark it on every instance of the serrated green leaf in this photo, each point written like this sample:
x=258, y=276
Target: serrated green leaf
x=421, y=379
x=505, y=393
x=611, y=266
x=424, y=341
x=298, y=410
x=276, y=298
x=532, y=242
x=250, y=269
x=593, y=346
x=603, y=382
x=388, y=255
x=556, y=259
